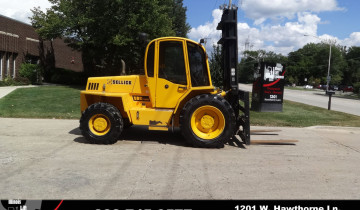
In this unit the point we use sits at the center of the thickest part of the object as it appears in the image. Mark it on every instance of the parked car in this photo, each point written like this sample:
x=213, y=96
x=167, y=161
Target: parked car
x=348, y=89
x=308, y=86
x=333, y=87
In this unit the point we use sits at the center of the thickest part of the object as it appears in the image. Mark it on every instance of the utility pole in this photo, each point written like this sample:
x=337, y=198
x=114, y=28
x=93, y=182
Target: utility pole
x=328, y=75
x=328, y=78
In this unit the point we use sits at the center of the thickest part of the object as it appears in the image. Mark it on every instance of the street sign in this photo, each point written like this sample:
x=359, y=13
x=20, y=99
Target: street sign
x=268, y=87
x=328, y=78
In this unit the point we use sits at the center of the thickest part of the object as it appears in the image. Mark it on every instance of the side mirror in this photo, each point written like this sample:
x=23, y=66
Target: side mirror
x=144, y=37
x=202, y=41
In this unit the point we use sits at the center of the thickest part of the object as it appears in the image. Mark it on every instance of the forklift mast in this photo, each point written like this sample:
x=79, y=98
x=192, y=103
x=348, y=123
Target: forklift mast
x=229, y=42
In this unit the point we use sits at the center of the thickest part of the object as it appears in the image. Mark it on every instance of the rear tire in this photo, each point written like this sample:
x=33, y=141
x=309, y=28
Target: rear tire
x=207, y=121
x=101, y=123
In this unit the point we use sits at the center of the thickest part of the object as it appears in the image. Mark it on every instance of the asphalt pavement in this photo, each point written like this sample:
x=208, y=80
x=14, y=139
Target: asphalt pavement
x=49, y=159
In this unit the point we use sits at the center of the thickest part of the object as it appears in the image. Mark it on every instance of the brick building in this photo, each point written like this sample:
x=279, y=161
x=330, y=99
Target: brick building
x=20, y=43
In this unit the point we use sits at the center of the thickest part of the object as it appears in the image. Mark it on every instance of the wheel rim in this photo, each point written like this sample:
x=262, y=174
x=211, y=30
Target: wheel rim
x=99, y=124
x=207, y=122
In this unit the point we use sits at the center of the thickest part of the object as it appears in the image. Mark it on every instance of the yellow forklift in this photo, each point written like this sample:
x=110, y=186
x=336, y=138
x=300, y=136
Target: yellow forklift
x=176, y=91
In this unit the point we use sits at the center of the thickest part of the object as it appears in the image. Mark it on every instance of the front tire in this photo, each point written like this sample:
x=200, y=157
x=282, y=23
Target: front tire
x=101, y=123
x=207, y=121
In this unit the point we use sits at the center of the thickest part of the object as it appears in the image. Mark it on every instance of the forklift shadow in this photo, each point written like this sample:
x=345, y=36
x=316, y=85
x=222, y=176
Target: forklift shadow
x=80, y=138
x=142, y=135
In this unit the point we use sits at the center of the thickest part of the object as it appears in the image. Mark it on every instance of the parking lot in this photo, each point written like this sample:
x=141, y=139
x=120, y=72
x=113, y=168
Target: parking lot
x=49, y=159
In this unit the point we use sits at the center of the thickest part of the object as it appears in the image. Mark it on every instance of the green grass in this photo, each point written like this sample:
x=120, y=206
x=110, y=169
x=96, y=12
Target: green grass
x=301, y=115
x=62, y=102
x=57, y=102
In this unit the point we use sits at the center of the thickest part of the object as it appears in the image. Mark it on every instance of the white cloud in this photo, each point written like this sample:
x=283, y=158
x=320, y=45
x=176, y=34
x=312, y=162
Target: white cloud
x=279, y=38
x=260, y=10
x=20, y=9
x=282, y=37
x=208, y=30
x=353, y=40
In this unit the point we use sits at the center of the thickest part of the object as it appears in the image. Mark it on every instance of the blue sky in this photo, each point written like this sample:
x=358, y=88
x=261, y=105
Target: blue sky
x=279, y=25
x=342, y=23
x=273, y=25
x=337, y=23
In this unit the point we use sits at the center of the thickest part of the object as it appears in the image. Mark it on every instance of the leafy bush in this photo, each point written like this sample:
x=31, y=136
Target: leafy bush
x=357, y=87
x=9, y=81
x=31, y=71
x=22, y=81
x=67, y=77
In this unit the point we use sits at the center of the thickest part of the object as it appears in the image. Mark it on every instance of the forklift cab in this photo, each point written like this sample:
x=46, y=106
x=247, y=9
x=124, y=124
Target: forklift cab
x=174, y=66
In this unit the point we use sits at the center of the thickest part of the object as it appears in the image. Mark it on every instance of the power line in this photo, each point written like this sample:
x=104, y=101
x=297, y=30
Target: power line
x=215, y=4
x=210, y=18
x=213, y=8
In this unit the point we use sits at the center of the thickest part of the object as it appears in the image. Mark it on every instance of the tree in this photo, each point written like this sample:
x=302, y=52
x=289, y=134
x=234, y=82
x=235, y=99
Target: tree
x=352, y=72
x=302, y=64
x=106, y=31
x=312, y=61
x=180, y=26
x=215, y=63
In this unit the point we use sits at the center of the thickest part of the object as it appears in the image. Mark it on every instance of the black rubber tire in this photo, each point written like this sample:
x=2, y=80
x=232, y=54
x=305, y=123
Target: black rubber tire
x=215, y=101
x=114, y=116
